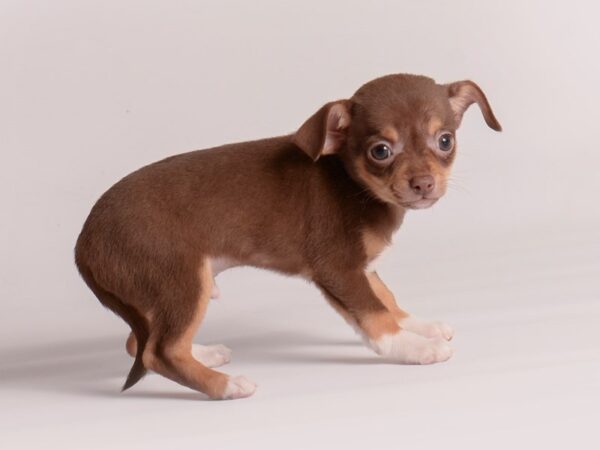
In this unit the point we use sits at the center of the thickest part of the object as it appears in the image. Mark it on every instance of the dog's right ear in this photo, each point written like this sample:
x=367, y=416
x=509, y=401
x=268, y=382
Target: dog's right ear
x=325, y=131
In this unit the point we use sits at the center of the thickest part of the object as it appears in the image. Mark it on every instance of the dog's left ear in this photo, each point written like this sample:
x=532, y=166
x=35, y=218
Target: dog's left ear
x=463, y=94
x=325, y=131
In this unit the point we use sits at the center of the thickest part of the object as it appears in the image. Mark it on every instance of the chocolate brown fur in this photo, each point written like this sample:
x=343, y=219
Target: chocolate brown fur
x=146, y=247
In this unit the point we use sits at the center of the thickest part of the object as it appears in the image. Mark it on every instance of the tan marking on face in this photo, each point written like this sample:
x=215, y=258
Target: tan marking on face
x=390, y=134
x=376, y=325
x=440, y=174
x=435, y=123
x=376, y=185
x=430, y=165
x=385, y=295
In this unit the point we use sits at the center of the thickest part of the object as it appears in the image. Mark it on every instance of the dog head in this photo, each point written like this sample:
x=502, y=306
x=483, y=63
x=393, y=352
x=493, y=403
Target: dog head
x=396, y=135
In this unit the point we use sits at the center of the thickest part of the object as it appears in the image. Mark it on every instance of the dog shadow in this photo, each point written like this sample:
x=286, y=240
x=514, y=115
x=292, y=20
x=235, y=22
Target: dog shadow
x=97, y=367
x=62, y=367
x=291, y=347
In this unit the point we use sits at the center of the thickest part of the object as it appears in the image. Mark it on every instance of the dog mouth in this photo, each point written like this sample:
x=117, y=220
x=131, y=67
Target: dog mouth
x=422, y=203
x=418, y=203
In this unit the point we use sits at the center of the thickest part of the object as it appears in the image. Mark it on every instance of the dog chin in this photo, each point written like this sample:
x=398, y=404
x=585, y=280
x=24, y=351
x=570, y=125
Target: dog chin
x=422, y=203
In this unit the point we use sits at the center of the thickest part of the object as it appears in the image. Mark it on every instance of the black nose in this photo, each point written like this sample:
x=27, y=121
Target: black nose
x=422, y=185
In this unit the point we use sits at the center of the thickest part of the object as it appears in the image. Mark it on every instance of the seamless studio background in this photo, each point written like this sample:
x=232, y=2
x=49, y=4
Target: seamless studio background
x=90, y=91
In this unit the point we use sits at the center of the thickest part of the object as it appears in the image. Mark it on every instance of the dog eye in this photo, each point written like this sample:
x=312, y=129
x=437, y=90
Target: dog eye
x=381, y=152
x=446, y=142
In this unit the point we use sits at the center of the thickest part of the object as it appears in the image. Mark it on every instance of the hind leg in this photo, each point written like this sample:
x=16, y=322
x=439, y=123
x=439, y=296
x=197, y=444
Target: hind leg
x=210, y=355
x=169, y=351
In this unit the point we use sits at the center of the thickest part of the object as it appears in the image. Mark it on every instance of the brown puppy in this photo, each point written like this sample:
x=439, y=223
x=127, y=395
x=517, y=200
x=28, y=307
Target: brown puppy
x=321, y=203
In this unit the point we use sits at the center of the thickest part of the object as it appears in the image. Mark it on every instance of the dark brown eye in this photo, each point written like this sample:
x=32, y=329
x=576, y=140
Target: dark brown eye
x=381, y=152
x=446, y=142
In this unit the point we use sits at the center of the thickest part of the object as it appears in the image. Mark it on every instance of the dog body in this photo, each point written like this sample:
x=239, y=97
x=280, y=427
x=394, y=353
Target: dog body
x=321, y=204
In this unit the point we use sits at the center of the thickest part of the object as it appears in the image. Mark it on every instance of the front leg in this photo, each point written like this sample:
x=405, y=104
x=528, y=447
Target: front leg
x=362, y=304
x=427, y=328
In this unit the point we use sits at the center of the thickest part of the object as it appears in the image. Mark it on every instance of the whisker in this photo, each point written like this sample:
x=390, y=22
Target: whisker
x=455, y=185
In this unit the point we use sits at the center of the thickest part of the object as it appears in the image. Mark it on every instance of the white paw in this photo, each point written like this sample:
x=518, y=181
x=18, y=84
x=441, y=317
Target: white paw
x=238, y=387
x=211, y=355
x=410, y=348
x=427, y=328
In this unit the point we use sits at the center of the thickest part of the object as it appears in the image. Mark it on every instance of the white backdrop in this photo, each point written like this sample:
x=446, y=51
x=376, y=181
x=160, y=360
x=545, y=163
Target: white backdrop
x=91, y=90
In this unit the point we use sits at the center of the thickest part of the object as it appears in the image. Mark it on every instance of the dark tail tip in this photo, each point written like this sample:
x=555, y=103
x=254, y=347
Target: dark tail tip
x=136, y=373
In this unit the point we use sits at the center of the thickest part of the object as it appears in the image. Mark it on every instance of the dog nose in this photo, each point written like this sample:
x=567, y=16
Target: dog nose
x=422, y=185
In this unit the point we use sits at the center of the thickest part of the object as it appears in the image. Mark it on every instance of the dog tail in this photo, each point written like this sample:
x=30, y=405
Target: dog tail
x=140, y=329
x=138, y=370
x=136, y=321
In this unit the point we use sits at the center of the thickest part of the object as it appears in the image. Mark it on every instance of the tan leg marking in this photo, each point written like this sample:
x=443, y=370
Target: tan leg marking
x=373, y=244
x=430, y=329
x=178, y=363
x=399, y=336
x=385, y=336
x=209, y=355
x=386, y=296
x=364, y=301
x=376, y=325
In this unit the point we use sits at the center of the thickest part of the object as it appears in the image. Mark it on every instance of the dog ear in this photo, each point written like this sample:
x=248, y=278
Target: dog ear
x=463, y=94
x=325, y=131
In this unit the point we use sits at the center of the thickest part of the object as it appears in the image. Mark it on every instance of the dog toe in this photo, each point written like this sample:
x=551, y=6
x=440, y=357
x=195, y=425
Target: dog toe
x=211, y=355
x=238, y=387
x=428, y=329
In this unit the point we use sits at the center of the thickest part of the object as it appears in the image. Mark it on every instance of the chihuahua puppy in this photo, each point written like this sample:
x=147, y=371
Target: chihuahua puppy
x=321, y=203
